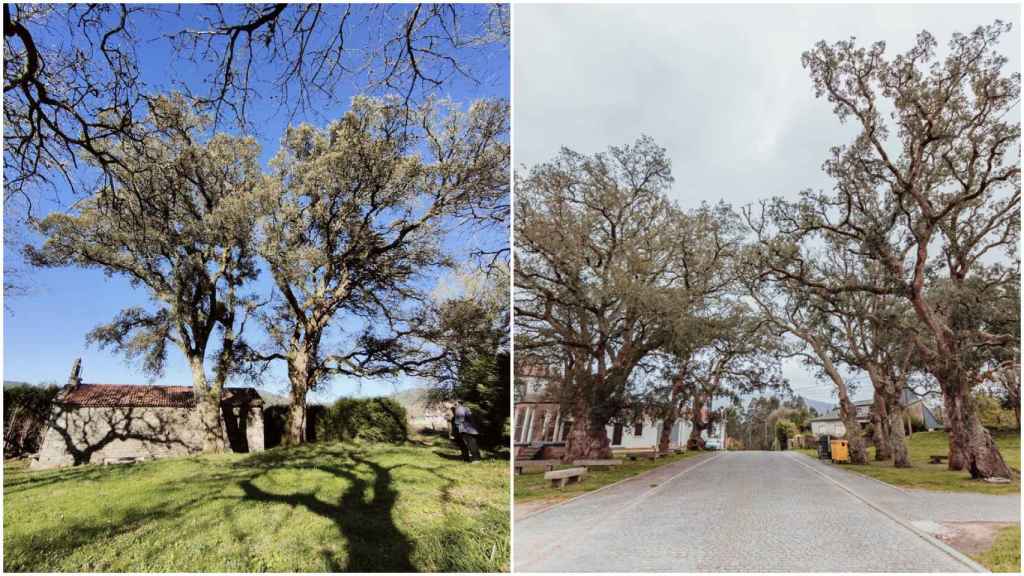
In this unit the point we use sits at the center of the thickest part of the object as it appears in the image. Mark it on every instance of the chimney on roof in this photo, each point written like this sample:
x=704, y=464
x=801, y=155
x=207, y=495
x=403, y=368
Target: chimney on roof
x=76, y=374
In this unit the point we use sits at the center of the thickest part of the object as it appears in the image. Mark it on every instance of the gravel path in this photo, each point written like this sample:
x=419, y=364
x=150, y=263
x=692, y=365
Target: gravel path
x=729, y=511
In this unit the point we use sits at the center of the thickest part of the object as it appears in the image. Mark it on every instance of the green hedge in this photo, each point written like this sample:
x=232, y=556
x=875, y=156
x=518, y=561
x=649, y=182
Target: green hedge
x=370, y=419
x=275, y=417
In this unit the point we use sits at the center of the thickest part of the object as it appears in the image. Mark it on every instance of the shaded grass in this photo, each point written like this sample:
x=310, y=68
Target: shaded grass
x=926, y=476
x=534, y=487
x=320, y=507
x=1004, y=555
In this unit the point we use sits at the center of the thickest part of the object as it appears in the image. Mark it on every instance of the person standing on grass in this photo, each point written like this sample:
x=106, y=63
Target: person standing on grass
x=465, y=432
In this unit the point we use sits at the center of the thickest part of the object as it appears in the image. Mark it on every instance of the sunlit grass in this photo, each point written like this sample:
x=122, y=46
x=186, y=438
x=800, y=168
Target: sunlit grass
x=1004, y=555
x=317, y=508
x=927, y=476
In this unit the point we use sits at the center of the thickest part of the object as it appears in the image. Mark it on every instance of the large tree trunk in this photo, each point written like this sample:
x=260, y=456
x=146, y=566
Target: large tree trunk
x=880, y=427
x=854, y=437
x=295, y=433
x=588, y=440
x=665, y=437
x=299, y=377
x=951, y=421
x=696, y=440
x=969, y=441
x=208, y=407
x=897, y=440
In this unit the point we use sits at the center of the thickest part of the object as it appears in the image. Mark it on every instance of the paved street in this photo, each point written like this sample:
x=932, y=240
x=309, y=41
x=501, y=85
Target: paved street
x=747, y=511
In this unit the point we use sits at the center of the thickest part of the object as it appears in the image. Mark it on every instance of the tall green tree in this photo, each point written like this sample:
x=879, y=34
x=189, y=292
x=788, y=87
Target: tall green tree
x=177, y=219
x=594, y=273
x=929, y=189
x=354, y=216
x=472, y=332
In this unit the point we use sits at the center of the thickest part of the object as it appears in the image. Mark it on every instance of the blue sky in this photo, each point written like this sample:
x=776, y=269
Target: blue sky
x=44, y=329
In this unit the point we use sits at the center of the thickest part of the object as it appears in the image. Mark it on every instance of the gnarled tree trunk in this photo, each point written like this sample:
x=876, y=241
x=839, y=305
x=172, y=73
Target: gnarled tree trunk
x=208, y=407
x=854, y=437
x=969, y=442
x=588, y=440
x=880, y=428
x=300, y=377
x=696, y=440
x=665, y=436
x=900, y=456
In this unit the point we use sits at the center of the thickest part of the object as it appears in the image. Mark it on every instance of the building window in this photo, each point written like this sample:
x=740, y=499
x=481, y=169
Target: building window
x=638, y=428
x=529, y=424
x=519, y=424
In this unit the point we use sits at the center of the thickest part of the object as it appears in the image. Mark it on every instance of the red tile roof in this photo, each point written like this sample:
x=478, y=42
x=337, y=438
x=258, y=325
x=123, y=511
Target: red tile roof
x=156, y=396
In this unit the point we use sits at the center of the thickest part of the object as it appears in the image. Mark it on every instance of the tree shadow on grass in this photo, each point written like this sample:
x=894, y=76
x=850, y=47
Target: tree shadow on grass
x=373, y=541
x=31, y=553
x=31, y=479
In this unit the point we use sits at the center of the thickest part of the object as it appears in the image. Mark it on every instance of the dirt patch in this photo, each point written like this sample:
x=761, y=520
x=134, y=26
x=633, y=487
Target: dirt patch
x=971, y=538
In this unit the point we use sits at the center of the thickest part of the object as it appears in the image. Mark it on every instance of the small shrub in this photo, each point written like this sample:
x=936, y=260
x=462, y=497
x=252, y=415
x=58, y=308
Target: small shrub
x=369, y=419
x=992, y=412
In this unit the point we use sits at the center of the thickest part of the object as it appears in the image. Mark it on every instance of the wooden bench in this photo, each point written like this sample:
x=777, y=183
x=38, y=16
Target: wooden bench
x=597, y=464
x=937, y=458
x=559, y=478
x=534, y=466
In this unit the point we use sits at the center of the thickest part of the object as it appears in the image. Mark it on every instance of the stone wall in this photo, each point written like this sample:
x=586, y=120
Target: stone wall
x=98, y=435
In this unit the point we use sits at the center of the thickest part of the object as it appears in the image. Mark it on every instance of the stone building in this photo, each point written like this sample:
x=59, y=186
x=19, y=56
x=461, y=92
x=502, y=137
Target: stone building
x=113, y=423
x=539, y=428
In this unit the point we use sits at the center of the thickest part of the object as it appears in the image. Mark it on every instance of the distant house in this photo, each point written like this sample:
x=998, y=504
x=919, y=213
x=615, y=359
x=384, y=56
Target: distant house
x=914, y=406
x=423, y=414
x=538, y=425
x=540, y=428
x=110, y=423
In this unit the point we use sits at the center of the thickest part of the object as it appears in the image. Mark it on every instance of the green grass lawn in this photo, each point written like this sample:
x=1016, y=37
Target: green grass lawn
x=1004, y=555
x=320, y=507
x=937, y=476
x=533, y=486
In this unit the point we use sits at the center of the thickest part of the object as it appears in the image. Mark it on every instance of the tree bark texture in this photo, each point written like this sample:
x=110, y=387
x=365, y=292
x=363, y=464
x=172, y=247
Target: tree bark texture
x=208, y=406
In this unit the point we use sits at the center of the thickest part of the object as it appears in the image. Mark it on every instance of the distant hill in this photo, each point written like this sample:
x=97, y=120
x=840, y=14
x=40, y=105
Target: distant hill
x=273, y=399
x=414, y=400
x=821, y=407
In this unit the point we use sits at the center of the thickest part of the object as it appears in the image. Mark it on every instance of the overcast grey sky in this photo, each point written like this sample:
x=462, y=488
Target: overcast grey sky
x=720, y=87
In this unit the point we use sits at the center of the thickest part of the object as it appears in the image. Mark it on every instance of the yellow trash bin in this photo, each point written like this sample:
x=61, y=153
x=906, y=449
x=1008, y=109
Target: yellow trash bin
x=840, y=450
